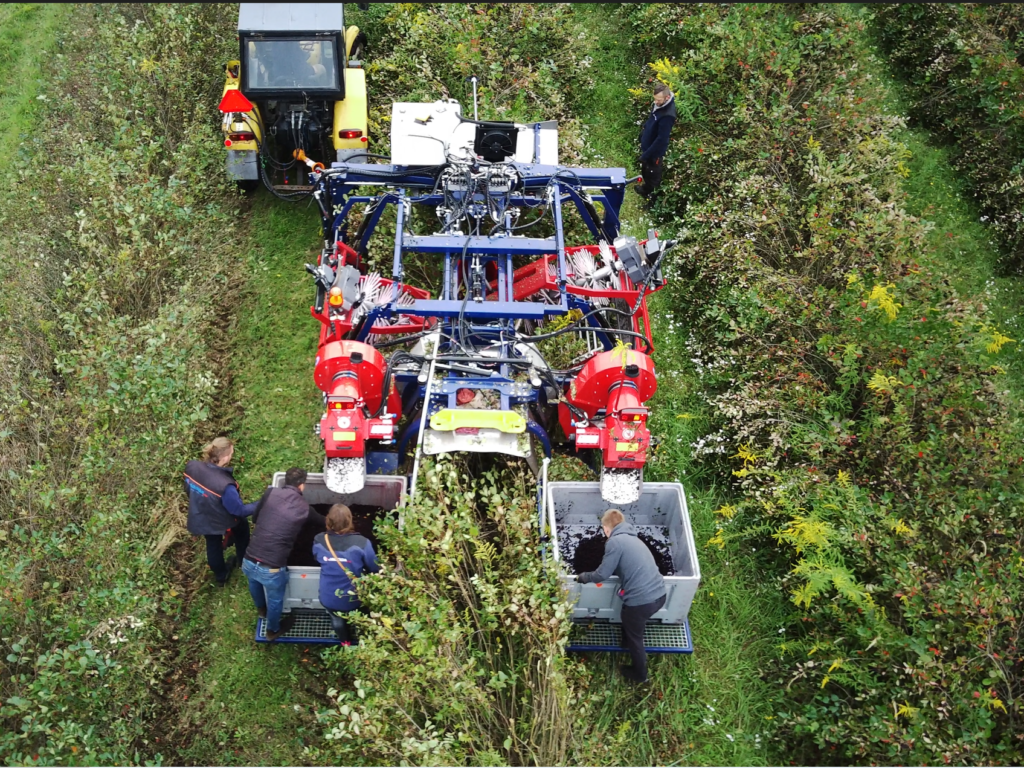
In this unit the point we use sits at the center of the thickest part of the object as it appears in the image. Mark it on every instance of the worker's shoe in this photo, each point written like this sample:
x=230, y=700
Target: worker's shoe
x=262, y=612
x=630, y=676
x=287, y=622
x=229, y=567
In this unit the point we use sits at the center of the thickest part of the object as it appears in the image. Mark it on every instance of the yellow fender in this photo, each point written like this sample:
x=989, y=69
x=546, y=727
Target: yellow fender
x=252, y=124
x=350, y=37
x=350, y=114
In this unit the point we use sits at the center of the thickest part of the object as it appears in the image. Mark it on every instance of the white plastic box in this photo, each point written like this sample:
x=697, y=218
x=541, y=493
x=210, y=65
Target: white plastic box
x=382, y=491
x=578, y=506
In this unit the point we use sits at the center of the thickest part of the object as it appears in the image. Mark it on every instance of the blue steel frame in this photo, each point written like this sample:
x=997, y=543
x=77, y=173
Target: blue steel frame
x=489, y=322
x=688, y=648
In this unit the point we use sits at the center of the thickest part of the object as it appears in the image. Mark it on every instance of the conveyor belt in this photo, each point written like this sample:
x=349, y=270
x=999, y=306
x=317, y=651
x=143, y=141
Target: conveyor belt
x=604, y=637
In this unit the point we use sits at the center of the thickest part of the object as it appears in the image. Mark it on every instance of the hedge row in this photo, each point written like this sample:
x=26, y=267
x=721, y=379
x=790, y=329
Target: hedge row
x=864, y=412
x=529, y=63
x=966, y=83
x=118, y=269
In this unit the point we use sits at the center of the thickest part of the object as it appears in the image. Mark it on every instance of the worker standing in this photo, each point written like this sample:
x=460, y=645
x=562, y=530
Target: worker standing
x=280, y=517
x=215, y=506
x=642, y=591
x=654, y=139
x=344, y=556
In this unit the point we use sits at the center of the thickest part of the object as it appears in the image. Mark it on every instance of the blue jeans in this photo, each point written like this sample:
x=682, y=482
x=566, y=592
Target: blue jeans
x=267, y=590
x=339, y=621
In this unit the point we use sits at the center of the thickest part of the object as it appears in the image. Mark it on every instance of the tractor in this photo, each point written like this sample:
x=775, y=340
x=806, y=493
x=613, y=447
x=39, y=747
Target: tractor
x=297, y=89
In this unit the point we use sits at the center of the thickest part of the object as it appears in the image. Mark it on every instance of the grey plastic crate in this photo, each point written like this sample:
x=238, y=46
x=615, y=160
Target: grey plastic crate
x=578, y=506
x=382, y=491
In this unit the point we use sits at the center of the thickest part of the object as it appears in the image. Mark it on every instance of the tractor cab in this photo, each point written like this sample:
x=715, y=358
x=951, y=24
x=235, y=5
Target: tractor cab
x=297, y=89
x=292, y=51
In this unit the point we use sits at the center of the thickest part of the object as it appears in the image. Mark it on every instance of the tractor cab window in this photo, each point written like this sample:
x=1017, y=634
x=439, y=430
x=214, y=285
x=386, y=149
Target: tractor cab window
x=295, y=64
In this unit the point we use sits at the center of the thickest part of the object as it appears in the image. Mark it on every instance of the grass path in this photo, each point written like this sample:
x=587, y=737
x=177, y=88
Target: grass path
x=710, y=708
x=252, y=703
x=959, y=245
x=26, y=33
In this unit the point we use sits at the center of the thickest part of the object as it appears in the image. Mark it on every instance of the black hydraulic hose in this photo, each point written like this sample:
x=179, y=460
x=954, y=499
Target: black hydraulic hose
x=386, y=385
x=367, y=154
x=483, y=360
x=403, y=339
x=574, y=326
x=465, y=297
x=292, y=197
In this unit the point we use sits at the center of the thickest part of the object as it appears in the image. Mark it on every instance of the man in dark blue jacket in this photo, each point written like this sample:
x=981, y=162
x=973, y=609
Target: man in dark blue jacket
x=280, y=516
x=654, y=139
x=642, y=586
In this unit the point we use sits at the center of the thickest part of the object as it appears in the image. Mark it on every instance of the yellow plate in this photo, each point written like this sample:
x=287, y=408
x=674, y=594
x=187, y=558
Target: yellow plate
x=450, y=419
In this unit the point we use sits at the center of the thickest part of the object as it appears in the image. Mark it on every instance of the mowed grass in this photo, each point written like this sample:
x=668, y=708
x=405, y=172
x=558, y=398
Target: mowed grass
x=711, y=708
x=253, y=704
x=961, y=246
x=249, y=703
x=278, y=403
x=27, y=33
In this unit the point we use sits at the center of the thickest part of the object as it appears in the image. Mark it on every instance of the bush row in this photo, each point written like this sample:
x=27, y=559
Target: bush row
x=863, y=415
x=966, y=84
x=526, y=56
x=118, y=268
x=460, y=659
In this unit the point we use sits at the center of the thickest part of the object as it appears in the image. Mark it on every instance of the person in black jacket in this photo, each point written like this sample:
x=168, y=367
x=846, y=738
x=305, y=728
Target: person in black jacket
x=280, y=516
x=215, y=506
x=642, y=586
x=654, y=139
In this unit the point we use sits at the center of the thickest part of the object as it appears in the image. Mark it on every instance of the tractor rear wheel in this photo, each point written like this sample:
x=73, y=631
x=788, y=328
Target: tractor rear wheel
x=358, y=48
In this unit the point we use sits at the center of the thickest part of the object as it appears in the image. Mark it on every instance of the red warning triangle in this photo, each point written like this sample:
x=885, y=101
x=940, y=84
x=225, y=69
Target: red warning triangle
x=234, y=101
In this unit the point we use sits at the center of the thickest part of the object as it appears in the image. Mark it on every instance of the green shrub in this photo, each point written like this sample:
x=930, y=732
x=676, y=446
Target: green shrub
x=525, y=55
x=861, y=410
x=966, y=82
x=119, y=267
x=461, y=657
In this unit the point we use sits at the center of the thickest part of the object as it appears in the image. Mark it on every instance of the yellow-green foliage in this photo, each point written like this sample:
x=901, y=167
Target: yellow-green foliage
x=802, y=533
x=830, y=346
x=883, y=297
x=118, y=266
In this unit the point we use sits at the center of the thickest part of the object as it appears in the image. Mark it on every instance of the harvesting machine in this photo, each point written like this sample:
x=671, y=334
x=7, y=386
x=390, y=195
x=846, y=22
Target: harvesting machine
x=406, y=374
x=464, y=364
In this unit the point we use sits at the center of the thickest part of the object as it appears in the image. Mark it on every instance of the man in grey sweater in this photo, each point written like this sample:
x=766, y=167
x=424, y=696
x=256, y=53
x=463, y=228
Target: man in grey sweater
x=642, y=590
